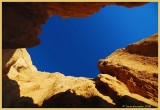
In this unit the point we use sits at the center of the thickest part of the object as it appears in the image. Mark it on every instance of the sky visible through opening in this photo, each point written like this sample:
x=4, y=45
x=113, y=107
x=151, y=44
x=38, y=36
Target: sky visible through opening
x=73, y=46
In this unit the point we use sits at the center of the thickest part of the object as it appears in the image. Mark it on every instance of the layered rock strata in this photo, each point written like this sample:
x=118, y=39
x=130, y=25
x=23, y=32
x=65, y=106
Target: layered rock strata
x=129, y=77
x=136, y=66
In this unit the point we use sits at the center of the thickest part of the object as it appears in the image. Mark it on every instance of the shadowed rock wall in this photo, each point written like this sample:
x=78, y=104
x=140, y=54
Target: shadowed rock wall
x=128, y=80
x=130, y=75
x=21, y=20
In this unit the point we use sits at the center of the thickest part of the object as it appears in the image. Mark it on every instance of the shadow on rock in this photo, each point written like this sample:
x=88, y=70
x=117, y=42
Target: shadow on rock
x=130, y=102
x=71, y=100
x=124, y=101
x=11, y=95
x=7, y=55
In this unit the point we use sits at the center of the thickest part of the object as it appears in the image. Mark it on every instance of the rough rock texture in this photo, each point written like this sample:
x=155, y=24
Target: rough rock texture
x=21, y=20
x=24, y=86
x=136, y=66
x=131, y=74
x=146, y=47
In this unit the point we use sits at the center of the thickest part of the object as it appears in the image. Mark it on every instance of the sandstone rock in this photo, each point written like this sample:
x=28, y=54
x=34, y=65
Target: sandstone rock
x=21, y=21
x=18, y=56
x=84, y=9
x=119, y=93
x=136, y=66
x=146, y=47
x=24, y=86
x=133, y=72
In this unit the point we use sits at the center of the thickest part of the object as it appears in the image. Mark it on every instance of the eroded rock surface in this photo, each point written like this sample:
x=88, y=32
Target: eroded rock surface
x=136, y=66
x=130, y=76
x=145, y=47
x=24, y=86
x=21, y=20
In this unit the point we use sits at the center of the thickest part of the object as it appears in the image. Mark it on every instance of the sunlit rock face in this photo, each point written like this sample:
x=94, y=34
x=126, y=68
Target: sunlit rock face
x=136, y=66
x=130, y=79
x=128, y=76
x=21, y=21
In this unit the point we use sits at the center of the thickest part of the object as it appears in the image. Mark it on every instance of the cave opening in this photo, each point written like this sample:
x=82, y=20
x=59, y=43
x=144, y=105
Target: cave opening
x=73, y=46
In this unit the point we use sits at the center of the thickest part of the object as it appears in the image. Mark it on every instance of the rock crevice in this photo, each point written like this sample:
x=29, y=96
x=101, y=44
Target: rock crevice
x=123, y=82
x=138, y=71
x=129, y=76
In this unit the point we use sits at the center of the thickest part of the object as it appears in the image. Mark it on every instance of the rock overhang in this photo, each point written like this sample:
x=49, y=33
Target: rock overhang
x=22, y=20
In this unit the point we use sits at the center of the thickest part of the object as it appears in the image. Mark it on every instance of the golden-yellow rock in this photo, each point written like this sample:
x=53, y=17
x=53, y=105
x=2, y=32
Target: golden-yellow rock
x=129, y=79
x=24, y=86
x=136, y=66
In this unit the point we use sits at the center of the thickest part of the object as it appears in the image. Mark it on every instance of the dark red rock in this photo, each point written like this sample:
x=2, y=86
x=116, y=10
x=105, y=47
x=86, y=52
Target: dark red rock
x=22, y=20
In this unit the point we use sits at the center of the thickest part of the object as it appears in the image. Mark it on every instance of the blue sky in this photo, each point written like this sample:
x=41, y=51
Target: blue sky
x=73, y=46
